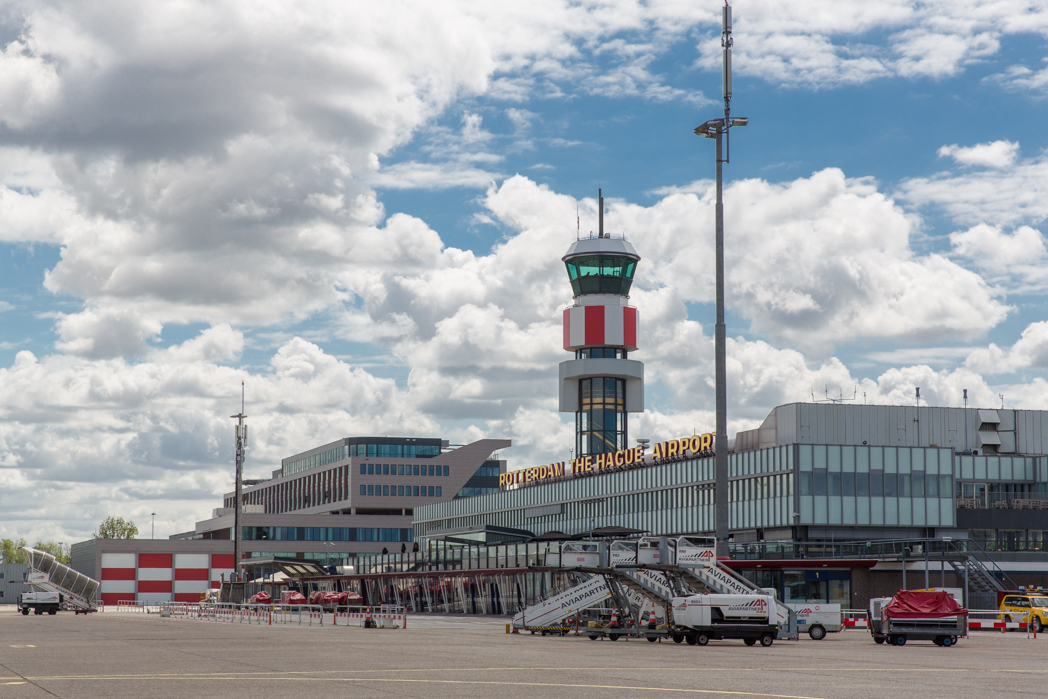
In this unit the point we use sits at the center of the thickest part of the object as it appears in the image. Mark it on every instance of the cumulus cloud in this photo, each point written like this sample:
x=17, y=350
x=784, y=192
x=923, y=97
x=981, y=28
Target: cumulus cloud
x=1015, y=259
x=1029, y=351
x=997, y=154
x=93, y=437
x=1010, y=191
x=829, y=43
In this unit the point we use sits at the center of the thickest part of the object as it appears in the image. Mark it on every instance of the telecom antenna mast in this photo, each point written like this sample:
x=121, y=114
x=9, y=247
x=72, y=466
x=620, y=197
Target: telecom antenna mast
x=241, y=440
x=718, y=129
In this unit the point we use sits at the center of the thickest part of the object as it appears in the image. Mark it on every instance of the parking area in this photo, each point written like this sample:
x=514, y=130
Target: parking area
x=138, y=655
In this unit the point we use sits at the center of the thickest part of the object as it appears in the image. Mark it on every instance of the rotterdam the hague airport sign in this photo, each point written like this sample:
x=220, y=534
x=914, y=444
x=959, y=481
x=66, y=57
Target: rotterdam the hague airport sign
x=696, y=446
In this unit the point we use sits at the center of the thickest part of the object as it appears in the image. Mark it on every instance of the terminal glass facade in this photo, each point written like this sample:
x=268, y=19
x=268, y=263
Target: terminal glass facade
x=771, y=490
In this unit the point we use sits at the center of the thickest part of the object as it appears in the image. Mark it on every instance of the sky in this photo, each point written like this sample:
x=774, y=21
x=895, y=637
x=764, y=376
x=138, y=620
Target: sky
x=358, y=209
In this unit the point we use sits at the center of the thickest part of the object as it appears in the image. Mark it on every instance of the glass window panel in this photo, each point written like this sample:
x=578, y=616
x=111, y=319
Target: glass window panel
x=917, y=490
x=931, y=486
x=804, y=457
x=362, y=491
x=877, y=484
x=835, y=483
x=862, y=484
x=891, y=485
x=945, y=486
x=400, y=469
x=363, y=468
x=819, y=482
x=819, y=456
x=371, y=490
x=848, y=484
x=904, y=484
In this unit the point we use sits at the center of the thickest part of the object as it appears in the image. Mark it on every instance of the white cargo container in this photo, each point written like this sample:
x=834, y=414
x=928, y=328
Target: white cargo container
x=751, y=618
x=817, y=619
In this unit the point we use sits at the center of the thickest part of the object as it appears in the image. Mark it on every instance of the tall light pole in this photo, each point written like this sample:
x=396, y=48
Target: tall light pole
x=718, y=129
x=241, y=435
x=152, y=526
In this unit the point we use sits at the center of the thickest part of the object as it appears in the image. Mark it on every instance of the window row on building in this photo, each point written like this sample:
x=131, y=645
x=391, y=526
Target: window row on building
x=326, y=534
x=404, y=491
x=322, y=488
x=315, y=461
x=395, y=451
x=407, y=470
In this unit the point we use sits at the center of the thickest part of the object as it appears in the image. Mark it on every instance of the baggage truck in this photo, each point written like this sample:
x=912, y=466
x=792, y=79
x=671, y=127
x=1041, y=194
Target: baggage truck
x=40, y=602
x=701, y=618
x=917, y=616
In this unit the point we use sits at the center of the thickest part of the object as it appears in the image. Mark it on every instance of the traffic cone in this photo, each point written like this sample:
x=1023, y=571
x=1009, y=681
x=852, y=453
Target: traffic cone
x=652, y=624
x=367, y=619
x=614, y=618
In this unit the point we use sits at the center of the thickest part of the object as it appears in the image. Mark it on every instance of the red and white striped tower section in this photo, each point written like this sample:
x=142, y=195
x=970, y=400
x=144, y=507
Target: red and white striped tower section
x=601, y=385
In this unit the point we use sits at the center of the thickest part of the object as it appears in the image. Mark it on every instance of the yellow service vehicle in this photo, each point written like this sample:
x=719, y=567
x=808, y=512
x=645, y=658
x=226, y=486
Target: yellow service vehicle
x=1019, y=603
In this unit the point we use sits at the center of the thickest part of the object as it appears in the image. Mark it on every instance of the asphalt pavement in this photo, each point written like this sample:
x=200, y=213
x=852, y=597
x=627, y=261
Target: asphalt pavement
x=117, y=655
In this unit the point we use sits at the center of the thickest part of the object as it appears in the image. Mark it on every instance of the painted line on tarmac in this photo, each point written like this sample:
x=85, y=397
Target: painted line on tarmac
x=7, y=683
x=549, y=685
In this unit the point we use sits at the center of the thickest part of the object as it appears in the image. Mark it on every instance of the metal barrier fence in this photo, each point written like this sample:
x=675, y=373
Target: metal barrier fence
x=384, y=616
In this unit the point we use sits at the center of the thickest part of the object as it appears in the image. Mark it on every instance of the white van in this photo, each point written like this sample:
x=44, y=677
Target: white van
x=817, y=618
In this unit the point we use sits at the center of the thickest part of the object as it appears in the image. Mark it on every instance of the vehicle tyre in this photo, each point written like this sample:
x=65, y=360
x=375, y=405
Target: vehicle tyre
x=52, y=611
x=946, y=642
x=750, y=641
x=563, y=632
x=937, y=640
x=1038, y=625
x=613, y=637
x=25, y=611
x=690, y=638
x=817, y=632
x=878, y=640
x=652, y=639
x=900, y=640
x=38, y=611
x=532, y=633
x=593, y=637
x=767, y=639
x=677, y=638
x=702, y=639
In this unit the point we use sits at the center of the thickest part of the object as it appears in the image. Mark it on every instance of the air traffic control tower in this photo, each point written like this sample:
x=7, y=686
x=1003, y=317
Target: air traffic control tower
x=601, y=385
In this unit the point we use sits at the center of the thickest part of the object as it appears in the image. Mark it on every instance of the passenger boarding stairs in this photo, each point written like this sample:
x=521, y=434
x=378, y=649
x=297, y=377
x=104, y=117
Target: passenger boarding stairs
x=635, y=574
x=48, y=575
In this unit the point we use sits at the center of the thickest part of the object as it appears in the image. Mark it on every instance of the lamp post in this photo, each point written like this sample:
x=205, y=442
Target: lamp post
x=327, y=553
x=152, y=526
x=718, y=129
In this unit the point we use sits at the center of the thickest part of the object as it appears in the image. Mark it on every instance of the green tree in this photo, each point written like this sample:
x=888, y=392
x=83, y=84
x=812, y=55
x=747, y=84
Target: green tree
x=116, y=528
x=11, y=551
x=60, y=552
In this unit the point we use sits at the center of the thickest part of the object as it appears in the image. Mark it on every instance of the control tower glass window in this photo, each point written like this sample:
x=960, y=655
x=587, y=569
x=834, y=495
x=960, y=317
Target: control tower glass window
x=601, y=274
x=601, y=419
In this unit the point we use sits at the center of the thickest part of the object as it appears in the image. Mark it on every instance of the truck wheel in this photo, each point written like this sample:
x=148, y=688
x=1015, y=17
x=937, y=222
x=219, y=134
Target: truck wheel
x=677, y=638
x=750, y=641
x=613, y=637
x=900, y=640
x=690, y=638
x=817, y=632
x=878, y=640
x=38, y=611
x=652, y=639
x=767, y=639
x=25, y=611
x=946, y=642
x=702, y=639
x=52, y=611
x=593, y=637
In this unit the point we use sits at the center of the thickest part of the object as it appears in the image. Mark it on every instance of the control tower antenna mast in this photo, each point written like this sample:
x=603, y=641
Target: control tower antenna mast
x=241, y=442
x=718, y=129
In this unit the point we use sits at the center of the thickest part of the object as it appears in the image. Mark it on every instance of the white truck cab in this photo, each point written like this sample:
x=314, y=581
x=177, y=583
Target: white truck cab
x=747, y=617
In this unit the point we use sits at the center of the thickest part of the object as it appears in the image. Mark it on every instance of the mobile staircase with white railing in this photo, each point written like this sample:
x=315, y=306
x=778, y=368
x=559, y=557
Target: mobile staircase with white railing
x=46, y=574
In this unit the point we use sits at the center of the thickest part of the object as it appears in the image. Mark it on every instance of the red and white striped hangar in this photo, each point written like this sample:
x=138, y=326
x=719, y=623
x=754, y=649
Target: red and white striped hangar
x=155, y=570
x=599, y=325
